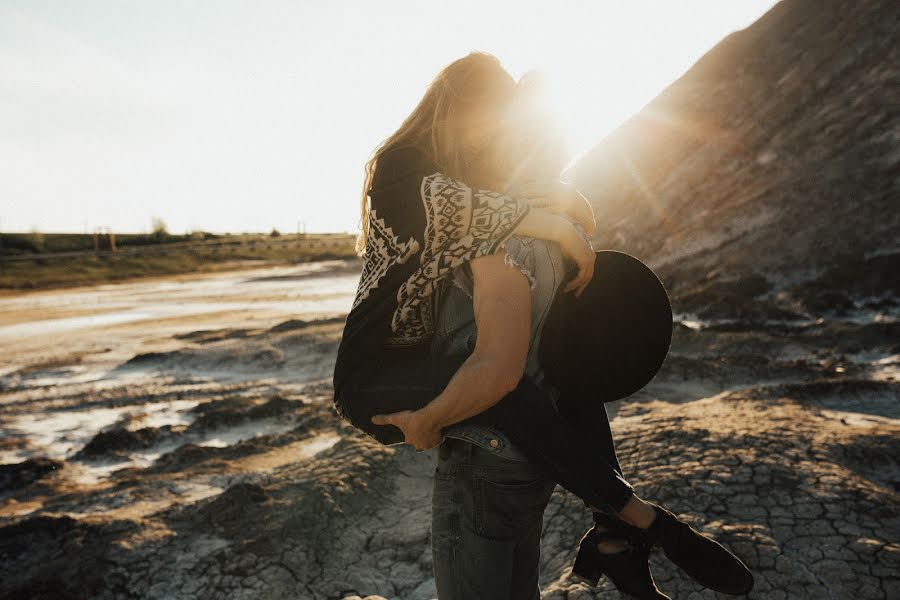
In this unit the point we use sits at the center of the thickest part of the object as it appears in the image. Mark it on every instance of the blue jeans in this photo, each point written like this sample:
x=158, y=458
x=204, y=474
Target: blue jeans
x=487, y=516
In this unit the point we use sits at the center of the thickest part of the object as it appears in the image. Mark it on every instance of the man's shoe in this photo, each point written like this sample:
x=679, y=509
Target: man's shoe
x=628, y=569
x=703, y=559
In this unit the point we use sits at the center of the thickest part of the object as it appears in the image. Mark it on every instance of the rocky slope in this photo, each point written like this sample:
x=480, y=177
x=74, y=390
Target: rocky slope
x=765, y=182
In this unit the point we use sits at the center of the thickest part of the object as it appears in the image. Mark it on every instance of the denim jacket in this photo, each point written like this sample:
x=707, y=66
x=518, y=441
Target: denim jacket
x=455, y=330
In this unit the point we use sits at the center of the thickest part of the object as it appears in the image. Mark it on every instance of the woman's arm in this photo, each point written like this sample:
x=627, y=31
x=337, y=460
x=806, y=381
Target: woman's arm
x=543, y=224
x=561, y=198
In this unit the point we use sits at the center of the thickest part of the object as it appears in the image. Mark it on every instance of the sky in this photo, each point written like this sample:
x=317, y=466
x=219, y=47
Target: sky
x=243, y=116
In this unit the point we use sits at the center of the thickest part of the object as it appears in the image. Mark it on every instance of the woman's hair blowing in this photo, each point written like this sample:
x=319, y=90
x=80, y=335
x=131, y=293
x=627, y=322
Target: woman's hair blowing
x=476, y=80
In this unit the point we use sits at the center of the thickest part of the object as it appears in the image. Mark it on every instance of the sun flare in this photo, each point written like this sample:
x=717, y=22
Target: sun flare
x=105, y=106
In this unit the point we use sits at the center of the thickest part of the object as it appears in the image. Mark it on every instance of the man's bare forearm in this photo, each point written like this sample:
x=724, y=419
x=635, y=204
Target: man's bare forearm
x=478, y=384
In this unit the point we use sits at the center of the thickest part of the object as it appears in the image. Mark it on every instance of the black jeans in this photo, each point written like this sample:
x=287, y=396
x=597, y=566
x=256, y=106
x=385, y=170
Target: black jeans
x=572, y=442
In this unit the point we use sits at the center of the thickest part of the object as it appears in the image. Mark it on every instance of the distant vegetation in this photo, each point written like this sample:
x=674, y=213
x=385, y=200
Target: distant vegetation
x=37, y=260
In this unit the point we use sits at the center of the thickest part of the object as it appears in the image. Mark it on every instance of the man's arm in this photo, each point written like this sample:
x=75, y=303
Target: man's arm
x=502, y=306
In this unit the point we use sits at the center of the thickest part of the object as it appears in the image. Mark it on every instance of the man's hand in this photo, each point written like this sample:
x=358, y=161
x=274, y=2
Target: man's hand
x=561, y=198
x=417, y=430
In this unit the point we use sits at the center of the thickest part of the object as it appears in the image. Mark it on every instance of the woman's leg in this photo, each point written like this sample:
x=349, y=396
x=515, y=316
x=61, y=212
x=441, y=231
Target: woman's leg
x=591, y=419
x=527, y=415
x=574, y=458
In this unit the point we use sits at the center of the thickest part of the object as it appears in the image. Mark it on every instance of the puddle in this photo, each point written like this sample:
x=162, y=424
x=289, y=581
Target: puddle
x=887, y=368
x=288, y=290
x=70, y=375
x=694, y=322
x=857, y=317
x=223, y=438
x=857, y=419
x=59, y=434
x=321, y=442
x=67, y=324
x=338, y=301
x=91, y=472
x=881, y=367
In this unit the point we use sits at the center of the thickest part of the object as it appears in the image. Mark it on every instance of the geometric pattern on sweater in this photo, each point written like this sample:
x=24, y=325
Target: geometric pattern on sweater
x=383, y=249
x=462, y=223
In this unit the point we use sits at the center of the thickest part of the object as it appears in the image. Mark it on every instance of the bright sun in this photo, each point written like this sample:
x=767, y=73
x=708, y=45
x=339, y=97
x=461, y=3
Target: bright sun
x=582, y=108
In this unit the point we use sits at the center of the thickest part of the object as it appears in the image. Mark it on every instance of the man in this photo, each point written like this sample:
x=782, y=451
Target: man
x=488, y=498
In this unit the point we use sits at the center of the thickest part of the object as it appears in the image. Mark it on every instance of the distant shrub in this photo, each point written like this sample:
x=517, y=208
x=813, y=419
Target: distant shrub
x=36, y=241
x=275, y=233
x=159, y=230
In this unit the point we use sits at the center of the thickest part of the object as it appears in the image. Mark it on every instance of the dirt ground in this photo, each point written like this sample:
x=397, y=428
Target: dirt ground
x=176, y=439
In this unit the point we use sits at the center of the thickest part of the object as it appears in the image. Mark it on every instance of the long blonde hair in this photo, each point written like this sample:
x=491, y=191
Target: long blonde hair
x=432, y=127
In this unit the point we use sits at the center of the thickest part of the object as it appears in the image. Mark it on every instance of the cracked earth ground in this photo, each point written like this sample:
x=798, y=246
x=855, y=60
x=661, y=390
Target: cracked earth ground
x=790, y=457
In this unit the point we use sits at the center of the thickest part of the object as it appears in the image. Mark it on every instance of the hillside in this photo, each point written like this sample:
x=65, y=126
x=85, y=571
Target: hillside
x=764, y=182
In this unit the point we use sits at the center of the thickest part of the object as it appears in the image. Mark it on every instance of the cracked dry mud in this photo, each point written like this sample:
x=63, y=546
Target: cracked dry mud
x=799, y=476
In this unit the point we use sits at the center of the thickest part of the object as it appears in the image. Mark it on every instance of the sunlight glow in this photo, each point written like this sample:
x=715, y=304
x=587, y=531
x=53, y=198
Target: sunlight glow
x=240, y=116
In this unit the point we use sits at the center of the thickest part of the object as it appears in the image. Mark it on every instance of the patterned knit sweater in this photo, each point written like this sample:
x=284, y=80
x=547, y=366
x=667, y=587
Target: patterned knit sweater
x=422, y=224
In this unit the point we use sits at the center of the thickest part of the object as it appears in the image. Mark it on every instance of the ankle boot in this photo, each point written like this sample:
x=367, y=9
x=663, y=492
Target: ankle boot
x=627, y=569
x=703, y=559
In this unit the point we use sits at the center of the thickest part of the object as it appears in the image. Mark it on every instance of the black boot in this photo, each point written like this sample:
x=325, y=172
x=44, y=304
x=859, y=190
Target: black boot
x=705, y=560
x=627, y=569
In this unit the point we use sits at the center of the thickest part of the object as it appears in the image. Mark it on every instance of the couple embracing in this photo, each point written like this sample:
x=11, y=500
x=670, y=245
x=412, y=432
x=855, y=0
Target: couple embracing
x=476, y=259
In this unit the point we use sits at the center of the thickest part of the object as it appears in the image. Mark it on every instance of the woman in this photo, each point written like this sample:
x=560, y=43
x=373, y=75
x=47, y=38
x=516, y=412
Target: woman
x=423, y=222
